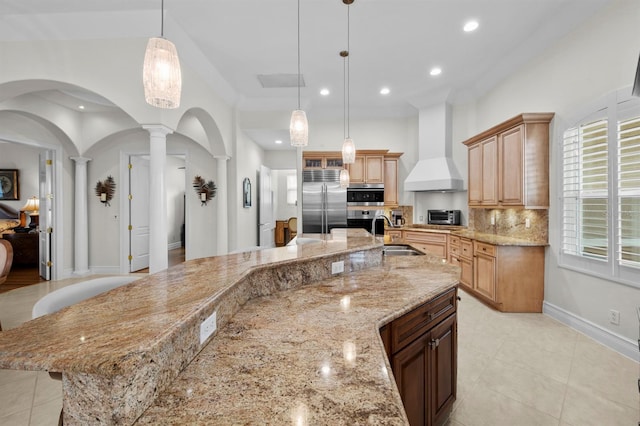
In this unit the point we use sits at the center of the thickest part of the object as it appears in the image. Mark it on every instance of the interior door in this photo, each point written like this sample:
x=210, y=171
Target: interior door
x=46, y=212
x=138, y=212
x=266, y=223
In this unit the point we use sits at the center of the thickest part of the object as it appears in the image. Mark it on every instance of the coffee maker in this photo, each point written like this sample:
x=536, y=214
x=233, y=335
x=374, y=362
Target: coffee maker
x=396, y=217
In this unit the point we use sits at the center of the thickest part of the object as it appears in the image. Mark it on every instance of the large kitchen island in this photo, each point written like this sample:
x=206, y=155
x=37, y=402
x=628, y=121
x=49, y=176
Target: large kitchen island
x=294, y=342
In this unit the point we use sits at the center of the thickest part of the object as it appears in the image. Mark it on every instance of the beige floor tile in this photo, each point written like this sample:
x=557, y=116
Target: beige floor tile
x=21, y=418
x=10, y=376
x=16, y=396
x=582, y=407
x=46, y=414
x=535, y=390
x=47, y=389
x=528, y=355
x=489, y=408
x=605, y=372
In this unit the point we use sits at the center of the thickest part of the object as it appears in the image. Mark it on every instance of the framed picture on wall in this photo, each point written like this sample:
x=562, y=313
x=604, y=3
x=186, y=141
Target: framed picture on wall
x=9, y=184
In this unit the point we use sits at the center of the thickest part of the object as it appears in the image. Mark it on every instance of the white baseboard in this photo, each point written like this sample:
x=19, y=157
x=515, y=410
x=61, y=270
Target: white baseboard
x=176, y=245
x=614, y=341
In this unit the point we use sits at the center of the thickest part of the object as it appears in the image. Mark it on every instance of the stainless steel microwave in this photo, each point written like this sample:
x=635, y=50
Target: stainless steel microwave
x=365, y=195
x=443, y=217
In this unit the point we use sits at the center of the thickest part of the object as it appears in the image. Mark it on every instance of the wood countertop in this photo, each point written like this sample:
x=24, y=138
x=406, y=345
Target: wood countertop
x=123, y=351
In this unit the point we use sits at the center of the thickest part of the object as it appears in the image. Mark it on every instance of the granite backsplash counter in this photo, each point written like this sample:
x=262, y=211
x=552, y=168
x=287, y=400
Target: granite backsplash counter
x=498, y=240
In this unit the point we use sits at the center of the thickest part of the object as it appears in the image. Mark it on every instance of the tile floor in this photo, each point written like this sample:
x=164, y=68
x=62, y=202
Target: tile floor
x=513, y=369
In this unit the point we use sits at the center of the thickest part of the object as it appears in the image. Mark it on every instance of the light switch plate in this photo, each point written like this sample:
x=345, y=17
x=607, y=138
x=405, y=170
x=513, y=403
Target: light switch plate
x=208, y=327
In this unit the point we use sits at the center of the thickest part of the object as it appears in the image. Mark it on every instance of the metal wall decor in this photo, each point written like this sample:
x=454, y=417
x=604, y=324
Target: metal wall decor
x=246, y=193
x=105, y=190
x=205, y=190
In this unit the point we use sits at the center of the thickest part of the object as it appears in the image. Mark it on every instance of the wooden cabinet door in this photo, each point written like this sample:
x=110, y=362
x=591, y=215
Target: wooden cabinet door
x=333, y=163
x=466, y=273
x=485, y=275
x=374, y=169
x=443, y=356
x=357, y=170
x=511, y=172
x=490, y=172
x=410, y=368
x=391, y=182
x=311, y=163
x=475, y=175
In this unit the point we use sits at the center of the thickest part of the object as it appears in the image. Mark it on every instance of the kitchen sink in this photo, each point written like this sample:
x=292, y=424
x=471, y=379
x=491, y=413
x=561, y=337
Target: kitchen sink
x=400, y=250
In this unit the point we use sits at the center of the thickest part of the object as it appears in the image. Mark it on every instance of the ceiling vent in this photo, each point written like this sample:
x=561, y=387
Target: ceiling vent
x=275, y=81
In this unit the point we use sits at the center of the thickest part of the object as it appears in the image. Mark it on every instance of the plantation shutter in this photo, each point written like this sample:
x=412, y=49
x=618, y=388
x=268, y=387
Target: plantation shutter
x=585, y=190
x=629, y=192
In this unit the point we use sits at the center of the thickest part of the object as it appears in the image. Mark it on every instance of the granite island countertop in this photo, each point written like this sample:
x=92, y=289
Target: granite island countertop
x=310, y=355
x=463, y=231
x=118, y=351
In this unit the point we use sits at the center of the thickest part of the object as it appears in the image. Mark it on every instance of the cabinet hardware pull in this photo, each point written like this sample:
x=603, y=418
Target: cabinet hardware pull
x=434, y=343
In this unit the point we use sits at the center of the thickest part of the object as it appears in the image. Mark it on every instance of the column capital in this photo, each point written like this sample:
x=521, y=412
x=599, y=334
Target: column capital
x=81, y=160
x=157, y=129
x=222, y=157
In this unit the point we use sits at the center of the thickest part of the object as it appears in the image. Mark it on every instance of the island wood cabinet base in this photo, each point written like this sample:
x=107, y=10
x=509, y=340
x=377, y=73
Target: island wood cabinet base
x=422, y=347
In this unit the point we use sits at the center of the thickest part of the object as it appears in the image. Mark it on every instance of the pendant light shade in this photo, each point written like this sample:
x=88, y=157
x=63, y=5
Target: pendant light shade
x=299, y=128
x=348, y=151
x=161, y=74
x=344, y=178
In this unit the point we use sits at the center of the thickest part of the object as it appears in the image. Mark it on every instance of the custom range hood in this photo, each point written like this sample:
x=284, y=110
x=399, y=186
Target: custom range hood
x=435, y=169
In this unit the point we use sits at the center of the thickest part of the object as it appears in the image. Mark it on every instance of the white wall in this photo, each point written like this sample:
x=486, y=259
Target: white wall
x=283, y=211
x=25, y=159
x=562, y=80
x=243, y=222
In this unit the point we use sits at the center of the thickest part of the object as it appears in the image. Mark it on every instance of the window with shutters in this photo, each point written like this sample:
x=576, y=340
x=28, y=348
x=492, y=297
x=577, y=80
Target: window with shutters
x=600, y=192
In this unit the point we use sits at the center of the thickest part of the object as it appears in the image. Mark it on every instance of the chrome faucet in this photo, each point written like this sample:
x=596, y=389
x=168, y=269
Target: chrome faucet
x=373, y=223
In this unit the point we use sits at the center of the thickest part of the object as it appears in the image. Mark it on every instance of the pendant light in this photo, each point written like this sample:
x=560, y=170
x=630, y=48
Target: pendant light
x=348, y=147
x=299, y=127
x=161, y=74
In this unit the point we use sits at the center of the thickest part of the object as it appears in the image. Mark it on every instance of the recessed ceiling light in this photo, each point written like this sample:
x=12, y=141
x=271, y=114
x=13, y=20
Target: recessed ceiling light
x=470, y=26
x=278, y=141
x=80, y=106
x=324, y=92
x=435, y=71
x=385, y=91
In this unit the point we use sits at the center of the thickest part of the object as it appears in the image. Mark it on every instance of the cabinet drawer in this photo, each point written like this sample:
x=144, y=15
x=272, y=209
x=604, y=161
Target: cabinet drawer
x=410, y=326
x=483, y=248
x=454, y=251
x=454, y=241
x=425, y=237
x=466, y=248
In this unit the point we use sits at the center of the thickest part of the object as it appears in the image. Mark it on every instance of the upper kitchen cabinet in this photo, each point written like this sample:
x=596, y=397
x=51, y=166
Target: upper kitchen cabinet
x=509, y=164
x=391, y=179
x=321, y=160
x=368, y=168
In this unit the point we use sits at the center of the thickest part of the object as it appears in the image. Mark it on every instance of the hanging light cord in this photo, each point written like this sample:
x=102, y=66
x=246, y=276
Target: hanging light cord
x=344, y=96
x=298, y=54
x=162, y=19
x=348, y=76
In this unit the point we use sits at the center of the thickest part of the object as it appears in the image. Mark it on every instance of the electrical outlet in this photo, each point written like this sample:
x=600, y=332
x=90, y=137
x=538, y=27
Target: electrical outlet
x=614, y=317
x=337, y=267
x=421, y=219
x=493, y=220
x=208, y=327
x=527, y=223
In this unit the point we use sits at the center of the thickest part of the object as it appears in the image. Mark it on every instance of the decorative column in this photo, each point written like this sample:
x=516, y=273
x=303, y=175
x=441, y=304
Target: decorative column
x=222, y=220
x=81, y=220
x=158, y=239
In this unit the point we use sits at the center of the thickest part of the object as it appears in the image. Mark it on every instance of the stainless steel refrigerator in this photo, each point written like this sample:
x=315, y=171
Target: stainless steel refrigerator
x=324, y=202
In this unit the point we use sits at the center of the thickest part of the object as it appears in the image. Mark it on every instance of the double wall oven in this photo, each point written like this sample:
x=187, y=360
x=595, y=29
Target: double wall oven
x=364, y=203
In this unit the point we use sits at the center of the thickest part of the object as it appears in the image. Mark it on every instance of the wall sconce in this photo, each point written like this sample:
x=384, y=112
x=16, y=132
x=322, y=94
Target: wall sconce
x=105, y=190
x=205, y=190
